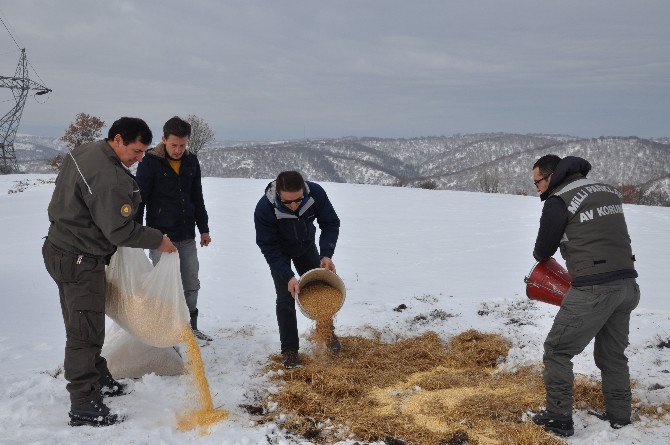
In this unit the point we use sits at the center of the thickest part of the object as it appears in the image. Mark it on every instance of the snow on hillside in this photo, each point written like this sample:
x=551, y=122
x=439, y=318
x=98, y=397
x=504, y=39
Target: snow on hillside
x=463, y=253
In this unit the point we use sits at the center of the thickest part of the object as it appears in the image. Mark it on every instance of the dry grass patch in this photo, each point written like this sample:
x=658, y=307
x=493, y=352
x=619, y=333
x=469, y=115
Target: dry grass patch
x=418, y=391
x=588, y=394
x=658, y=412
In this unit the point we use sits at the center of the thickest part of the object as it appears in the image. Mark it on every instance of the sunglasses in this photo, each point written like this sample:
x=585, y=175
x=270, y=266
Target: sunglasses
x=543, y=178
x=296, y=201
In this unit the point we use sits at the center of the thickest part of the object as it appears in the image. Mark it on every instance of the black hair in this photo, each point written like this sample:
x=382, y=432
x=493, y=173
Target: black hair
x=547, y=164
x=130, y=129
x=290, y=181
x=176, y=126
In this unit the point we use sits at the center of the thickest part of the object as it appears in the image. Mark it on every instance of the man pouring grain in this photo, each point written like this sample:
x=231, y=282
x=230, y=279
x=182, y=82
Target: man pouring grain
x=585, y=219
x=285, y=232
x=91, y=213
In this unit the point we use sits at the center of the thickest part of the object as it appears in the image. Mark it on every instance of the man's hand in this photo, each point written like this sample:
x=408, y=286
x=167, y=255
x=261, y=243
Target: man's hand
x=328, y=264
x=205, y=239
x=293, y=287
x=166, y=245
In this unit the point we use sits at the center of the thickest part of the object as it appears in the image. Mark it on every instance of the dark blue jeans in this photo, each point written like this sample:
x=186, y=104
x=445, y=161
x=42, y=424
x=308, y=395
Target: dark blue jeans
x=286, y=318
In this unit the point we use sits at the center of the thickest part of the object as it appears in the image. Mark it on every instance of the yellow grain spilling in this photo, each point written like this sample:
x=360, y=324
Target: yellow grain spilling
x=321, y=302
x=204, y=416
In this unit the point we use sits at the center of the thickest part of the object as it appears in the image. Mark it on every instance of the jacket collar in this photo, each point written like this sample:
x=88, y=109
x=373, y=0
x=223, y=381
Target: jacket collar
x=110, y=153
x=569, y=169
x=281, y=211
x=159, y=152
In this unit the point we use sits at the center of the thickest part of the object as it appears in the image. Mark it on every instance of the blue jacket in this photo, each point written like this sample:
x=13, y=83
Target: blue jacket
x=174, y=203
x=282, y=234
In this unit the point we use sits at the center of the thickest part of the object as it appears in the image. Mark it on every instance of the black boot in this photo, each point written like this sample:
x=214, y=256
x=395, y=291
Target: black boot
x=112, y=388
x=334, y=343
x=92, y=413
x=291, y=359
x=194, y=325
x=555, y=423
x=614, y=423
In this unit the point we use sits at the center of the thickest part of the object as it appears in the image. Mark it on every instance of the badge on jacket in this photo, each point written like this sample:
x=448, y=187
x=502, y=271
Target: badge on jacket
x=126, y=210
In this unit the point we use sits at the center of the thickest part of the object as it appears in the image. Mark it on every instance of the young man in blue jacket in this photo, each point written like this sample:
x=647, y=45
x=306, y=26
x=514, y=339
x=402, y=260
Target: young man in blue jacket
x=171, y=186
x=285, y=232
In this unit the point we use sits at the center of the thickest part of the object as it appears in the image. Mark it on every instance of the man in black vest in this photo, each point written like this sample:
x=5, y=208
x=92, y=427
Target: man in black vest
x=585, y=219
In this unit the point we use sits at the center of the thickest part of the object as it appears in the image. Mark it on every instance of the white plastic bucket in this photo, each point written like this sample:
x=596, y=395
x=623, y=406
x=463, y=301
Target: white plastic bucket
x=324, y=276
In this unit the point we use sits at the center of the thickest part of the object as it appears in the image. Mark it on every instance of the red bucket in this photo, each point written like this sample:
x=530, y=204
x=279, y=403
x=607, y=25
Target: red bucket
x=548, y=281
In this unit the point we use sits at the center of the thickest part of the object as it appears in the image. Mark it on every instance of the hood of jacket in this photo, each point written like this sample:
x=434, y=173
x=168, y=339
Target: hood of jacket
x=567, y=167
x=281, y=211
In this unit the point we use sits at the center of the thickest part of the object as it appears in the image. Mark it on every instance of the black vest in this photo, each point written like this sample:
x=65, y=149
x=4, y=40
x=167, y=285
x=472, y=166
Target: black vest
x=596, y=239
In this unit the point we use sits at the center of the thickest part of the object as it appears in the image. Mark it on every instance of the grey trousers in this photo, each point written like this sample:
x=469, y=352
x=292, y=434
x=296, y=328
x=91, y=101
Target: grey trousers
x=601, y=312
x=189, y=266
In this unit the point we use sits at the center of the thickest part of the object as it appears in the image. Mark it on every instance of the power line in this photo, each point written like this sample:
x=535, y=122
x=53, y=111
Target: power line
x=10, y=33
x=20, y=84
x=35, y=71
x=17, y=45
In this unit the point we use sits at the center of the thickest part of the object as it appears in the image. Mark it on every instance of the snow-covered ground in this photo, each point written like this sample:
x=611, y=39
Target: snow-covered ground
x=464, y=253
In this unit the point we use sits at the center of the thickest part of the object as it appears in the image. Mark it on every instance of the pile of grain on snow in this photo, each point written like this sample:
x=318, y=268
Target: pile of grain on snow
x=321, y=302
x=203, y=415
x=417, y=390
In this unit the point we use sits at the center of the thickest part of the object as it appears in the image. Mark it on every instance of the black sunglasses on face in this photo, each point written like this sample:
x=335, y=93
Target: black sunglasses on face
x=543, y=178
x=292, y=201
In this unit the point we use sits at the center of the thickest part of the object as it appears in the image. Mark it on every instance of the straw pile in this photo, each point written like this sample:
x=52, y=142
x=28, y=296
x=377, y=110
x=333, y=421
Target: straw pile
x=415, y=391
x=321, y=302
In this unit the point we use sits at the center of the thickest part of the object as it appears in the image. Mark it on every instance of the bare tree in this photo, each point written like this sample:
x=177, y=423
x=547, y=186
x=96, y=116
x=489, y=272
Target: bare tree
x=84, y=129
x=56, y=162
x=489, y=181
x=201, y=134
x=630, y=194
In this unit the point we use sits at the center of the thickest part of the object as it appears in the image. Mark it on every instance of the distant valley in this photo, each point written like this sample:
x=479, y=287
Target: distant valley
x=488, y=162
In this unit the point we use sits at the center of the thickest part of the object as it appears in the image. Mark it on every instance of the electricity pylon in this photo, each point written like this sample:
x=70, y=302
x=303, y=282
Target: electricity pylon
x=20, y=84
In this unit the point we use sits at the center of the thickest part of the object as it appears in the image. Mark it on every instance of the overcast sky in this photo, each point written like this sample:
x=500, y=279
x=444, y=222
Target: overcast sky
x=270, y=70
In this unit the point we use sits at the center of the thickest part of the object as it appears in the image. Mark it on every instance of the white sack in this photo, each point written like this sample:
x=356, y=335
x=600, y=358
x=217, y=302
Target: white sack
x=147, y=301
x=127, y=357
